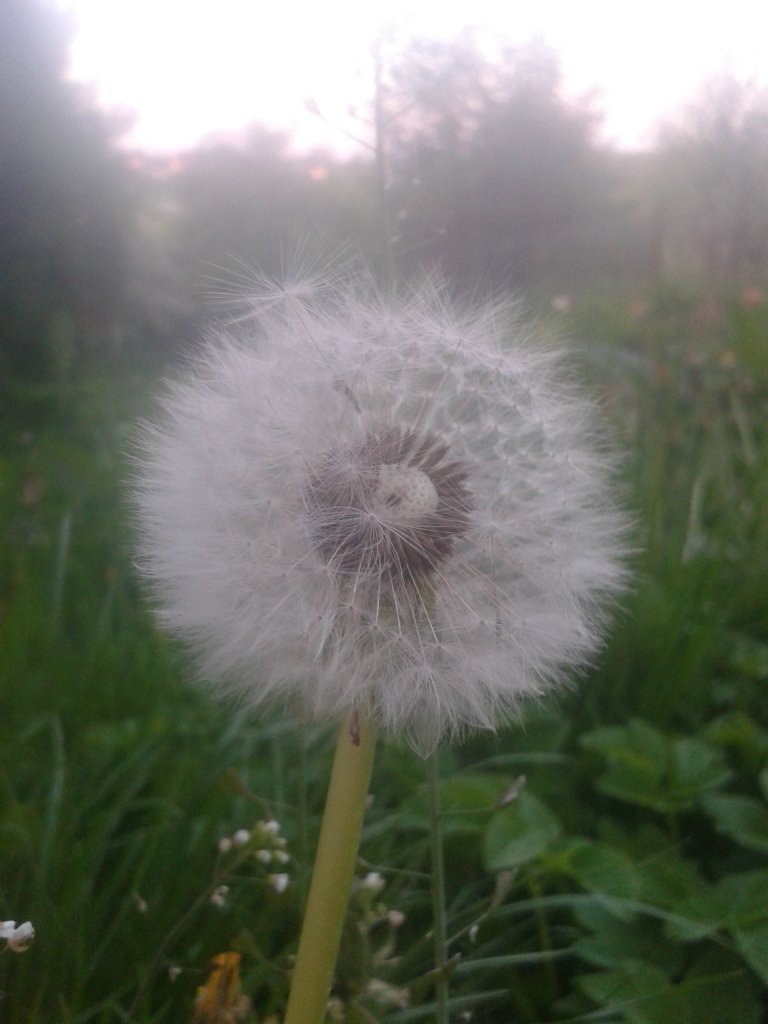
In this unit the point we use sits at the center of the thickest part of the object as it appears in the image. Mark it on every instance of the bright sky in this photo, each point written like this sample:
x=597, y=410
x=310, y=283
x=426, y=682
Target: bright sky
x=193, y=67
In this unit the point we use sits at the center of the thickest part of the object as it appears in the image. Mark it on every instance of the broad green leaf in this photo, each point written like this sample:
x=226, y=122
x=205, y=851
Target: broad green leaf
x=597, y=867
x=752, y=943
x=651, y=770
x=643, y=994
x=616, y=943
x=519, y=833
x=742, y=818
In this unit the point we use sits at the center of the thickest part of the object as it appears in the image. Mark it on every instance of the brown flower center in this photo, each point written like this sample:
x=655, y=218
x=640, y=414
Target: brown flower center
x=389, y=508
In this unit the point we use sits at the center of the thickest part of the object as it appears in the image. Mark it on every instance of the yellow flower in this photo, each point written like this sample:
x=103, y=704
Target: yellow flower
x=220, y=1000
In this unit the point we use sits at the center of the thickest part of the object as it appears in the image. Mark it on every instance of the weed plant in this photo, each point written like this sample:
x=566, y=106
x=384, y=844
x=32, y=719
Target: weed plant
x=606, y=859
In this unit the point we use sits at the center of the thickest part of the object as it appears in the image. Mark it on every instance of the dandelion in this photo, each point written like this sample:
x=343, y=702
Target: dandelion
x=379, y=505
x=388, y=511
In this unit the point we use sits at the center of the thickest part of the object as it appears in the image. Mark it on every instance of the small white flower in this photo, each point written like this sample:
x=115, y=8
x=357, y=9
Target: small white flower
x=374, y=882
x=279, y=882
x=395, y=918
x=225, y=844
x=281, y=856
x=241, y=837
x=219, y=896
x=140, y=903
x=271, y=826
x=173, y=972
x=263, y=856
x=384, y=504
x=20, y=938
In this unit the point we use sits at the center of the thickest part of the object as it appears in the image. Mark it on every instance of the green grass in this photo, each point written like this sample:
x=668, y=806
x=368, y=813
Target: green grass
x=625, y=882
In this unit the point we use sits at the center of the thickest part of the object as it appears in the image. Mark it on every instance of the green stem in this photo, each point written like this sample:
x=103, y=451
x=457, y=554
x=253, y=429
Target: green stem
x=438, y=891
x=333, y=872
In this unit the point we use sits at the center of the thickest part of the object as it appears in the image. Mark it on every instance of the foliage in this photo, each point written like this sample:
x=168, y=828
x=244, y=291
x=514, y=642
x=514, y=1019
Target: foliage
x=606, y=861
x=606, y=857
x=65, y=205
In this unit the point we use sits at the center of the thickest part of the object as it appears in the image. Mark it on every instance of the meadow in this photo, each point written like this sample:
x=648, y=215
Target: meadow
x=605, y=857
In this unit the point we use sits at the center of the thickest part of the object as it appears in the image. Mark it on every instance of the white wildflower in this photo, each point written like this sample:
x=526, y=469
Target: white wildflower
x=281, y=856
x=18, y=937
x=379, y=504
x=279, y=882
x=374, y=882
x=224, y=844
x=263, y=856
x=219, y=896
x=241, y=837
x=140, y=903
x=272, y=827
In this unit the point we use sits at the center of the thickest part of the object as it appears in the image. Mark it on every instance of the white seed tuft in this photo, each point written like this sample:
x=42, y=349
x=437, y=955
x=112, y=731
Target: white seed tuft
x=380, y=503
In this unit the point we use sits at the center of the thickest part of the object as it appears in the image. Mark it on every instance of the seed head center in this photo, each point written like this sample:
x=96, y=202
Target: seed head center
x=387, y=510
x=404, y=495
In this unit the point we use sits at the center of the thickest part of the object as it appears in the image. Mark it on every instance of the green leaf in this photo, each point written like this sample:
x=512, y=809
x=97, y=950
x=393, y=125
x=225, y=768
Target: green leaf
x=752, y=943
x=519, y=833
x=644, y=995
x=742, y=818
x=744, y=894
x=598, y=867
x=616, y=943
x=649, y=769
x=473, y=791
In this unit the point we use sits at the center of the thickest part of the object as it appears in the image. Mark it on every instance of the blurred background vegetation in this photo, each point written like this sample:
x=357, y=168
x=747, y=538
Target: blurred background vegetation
x=626, y=879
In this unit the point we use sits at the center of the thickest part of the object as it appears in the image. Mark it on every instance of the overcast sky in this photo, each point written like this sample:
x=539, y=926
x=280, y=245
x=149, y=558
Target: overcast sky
x=188, y=69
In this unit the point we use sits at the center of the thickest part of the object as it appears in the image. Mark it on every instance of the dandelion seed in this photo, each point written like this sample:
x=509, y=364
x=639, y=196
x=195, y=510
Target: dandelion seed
x=389, y=505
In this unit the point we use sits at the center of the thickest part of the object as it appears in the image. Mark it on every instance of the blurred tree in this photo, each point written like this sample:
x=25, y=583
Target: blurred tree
x=714, y=185
x=249, y=205
x=491, y=172
x=64, y=201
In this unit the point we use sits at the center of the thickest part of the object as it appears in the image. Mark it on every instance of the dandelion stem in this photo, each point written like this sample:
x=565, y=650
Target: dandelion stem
x=438, y=891
x=333, y=871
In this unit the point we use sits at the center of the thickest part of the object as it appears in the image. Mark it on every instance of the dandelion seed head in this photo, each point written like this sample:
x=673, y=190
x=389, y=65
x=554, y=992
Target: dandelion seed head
x=381, y=502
